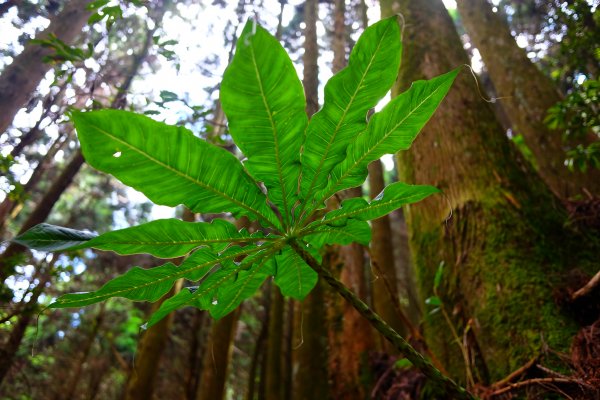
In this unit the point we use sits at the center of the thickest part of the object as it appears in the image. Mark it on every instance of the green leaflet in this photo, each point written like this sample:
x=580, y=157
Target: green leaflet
x=293, y=276
x=342, y=232
x=393, y=197
x=151, y=284
x=169, y=164
x=265, y=105
x=392, y=129
x=165, y=238
x=245, y=284
x=219, y=293
x=349, y=95
x=46, y=237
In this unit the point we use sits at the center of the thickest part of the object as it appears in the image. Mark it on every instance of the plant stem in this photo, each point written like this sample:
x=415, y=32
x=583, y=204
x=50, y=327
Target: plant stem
x=448, y=385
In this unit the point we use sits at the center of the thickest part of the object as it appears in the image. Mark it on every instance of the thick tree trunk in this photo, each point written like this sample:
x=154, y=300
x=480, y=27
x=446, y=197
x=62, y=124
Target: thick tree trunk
x=142, y=378
x=504, y=247
x=21, y=77
x=216, y=358
x=526, y=96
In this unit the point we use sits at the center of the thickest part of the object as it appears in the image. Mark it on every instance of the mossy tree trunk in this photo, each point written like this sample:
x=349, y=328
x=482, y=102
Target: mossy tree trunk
x=504, y=246
x=526, y=96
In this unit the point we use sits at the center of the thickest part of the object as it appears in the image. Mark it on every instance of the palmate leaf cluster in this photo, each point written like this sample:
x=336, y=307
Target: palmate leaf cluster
x=292, y=167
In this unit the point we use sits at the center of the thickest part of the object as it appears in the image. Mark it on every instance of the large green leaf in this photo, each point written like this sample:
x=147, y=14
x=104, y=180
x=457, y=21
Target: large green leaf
x=164, y=238
x=243, y=286
x=393, y=197
x=342, y=232
x=46, y=237
x=224, y=289
x=151, y=284
x=169, y=164
x=349, y=95
x=392, y=129
x=265, y=107
x=293, y=276
x=169, y=238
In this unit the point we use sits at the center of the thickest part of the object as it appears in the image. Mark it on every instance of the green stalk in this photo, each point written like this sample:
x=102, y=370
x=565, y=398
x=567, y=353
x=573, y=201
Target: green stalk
x=448, y=385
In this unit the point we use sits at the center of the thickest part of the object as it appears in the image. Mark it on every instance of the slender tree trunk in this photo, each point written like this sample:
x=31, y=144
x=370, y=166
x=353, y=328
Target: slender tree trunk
x=216, y=358
x=9, y=258
x=385, y=285
x=358, y=337
x=33, y=134
x=21, y=77
x=7, y=5
x=197, y=349
x=504, y=246
x=526, y=95
x=9, y=349
x=10, y=208
x=274, y=364
x=310, y=57
x=256, y=355
x=71, y=384
x=44, y=206
x=310, y=357
x=142, y=378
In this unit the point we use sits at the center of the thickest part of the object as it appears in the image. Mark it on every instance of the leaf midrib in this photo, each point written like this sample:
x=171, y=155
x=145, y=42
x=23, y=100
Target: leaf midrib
x=274, y=132
x=357, y=162
x=179, y=274
x=177, y=172
x=345, y=112
x=369, y=207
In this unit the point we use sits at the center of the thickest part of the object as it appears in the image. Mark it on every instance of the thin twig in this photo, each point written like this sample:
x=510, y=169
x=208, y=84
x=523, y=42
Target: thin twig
x=537, y=381
x=515, y=374
x=588, y=288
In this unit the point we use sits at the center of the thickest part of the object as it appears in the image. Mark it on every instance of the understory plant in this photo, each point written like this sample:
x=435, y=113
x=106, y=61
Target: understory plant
x=291, y=167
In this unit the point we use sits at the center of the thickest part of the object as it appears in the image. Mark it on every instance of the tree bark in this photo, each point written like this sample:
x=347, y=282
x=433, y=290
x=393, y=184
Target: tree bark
x=526, y=96
x=8, y=259
x=21, y=77
x=216, y=358
x=142, y=378
x=310, y=358
x=9, y=350
x=310, y=57
x=7, y=5
x=9, y=208
x=70, y=385
x=385, y=284
x=504, y=246
x=274, y=363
